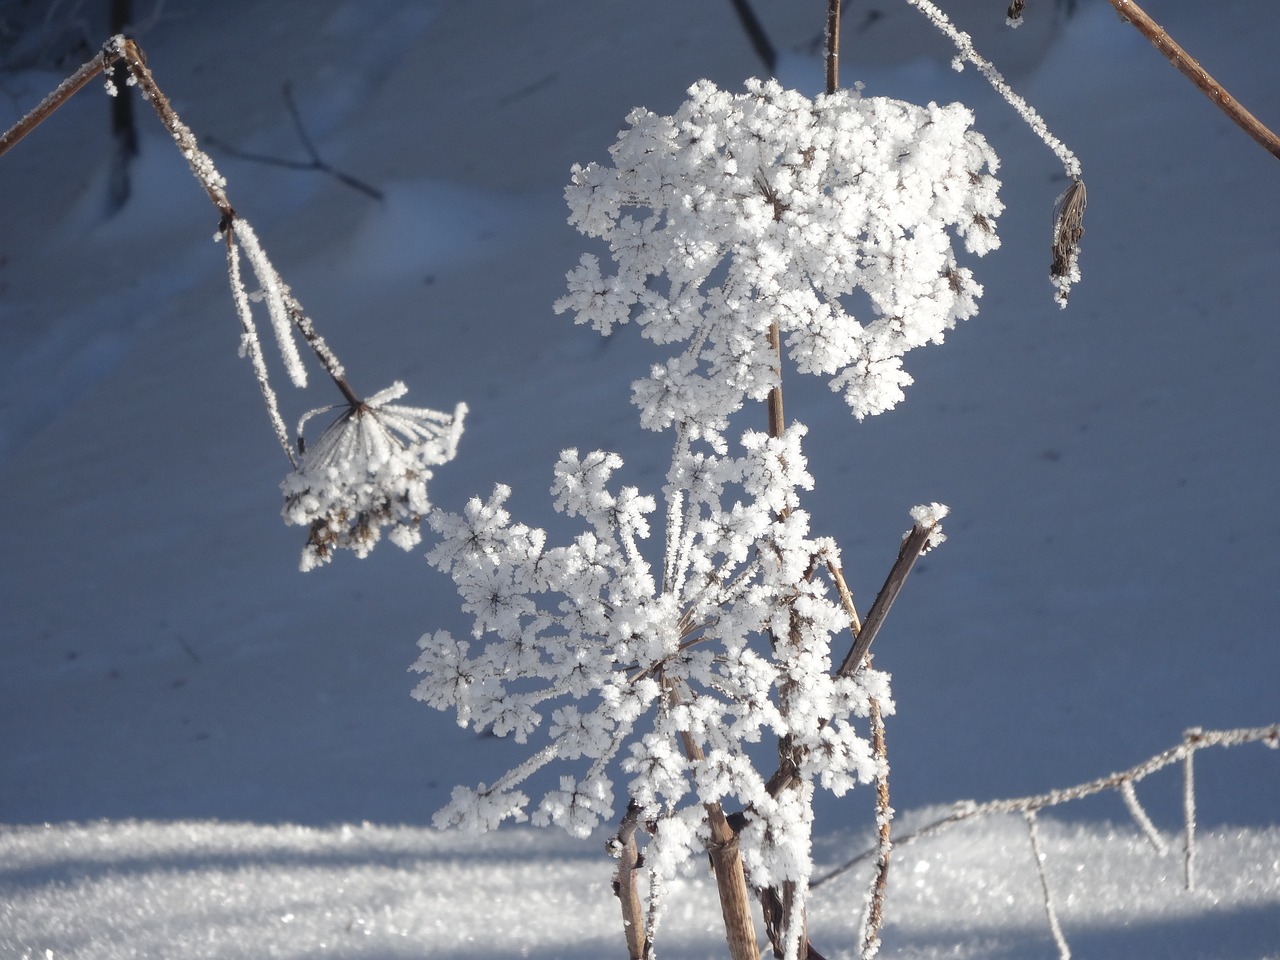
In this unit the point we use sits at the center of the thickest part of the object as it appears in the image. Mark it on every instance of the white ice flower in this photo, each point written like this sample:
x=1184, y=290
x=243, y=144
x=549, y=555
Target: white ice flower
x=368, y=470
x=616, y=669
x=742, y=211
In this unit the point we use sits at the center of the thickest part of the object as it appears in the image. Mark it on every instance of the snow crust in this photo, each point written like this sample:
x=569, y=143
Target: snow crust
x=222, y=891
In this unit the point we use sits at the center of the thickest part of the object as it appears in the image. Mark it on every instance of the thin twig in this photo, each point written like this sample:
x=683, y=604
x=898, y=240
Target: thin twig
x=1064, y=952
x=64, y=92
x=251, y=347
x=125, y=49
x=884, y=838
x=1191, y=69
x=1189, y=807
x=846, y=597
x=967, y=810
x=833, y=46
x=1130, y=797
x=964, y=44
x=777, y=422
x=913, y=544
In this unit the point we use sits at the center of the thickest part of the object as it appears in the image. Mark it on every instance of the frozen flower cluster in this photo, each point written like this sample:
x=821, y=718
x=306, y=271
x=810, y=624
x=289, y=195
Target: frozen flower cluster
x=742, y=228
x=614, y=659
x=368, y=470
x=370, y=467
x=831, y=218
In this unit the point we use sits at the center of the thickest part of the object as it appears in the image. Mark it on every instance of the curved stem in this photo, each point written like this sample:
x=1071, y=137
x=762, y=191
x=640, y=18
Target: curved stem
x=1191, y=69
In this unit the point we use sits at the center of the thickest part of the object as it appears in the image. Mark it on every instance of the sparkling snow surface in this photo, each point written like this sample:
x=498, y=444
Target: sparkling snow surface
x=185, y=717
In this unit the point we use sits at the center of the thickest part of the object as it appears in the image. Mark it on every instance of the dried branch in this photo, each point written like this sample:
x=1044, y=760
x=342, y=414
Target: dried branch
x=1064, y=952
x=833, y=45
x=884, y=838
x=64, y=92
x=913, y=544
x=726, y=864
x=1140, y=817
x=1189, y=812
x=1191, y=69
x=623, y=846
x=124, y=51
x=1193, y=740
x=1188, y=66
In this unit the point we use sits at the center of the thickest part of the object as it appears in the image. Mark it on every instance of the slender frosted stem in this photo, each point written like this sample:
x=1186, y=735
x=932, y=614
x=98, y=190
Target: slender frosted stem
x=1064, y=952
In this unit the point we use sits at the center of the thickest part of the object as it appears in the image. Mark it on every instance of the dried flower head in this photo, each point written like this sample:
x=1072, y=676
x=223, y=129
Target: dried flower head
x=367, y=471
x=1068, y=228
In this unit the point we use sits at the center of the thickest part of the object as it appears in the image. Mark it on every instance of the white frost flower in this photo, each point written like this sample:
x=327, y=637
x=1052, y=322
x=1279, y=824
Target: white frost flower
x=738, y=226
x=367, y=471
x=616, y=667
x=767, y=208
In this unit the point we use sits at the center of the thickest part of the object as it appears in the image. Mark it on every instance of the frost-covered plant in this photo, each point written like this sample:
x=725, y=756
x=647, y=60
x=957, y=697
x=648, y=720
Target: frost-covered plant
x=792, y=205
x=742, y=222
x=367, y=471
x=370, y=467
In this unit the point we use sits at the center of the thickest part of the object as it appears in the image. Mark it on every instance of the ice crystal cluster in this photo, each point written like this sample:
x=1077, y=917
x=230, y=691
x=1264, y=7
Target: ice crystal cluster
x=367, y=471
x=654, y=671
x=767, y=207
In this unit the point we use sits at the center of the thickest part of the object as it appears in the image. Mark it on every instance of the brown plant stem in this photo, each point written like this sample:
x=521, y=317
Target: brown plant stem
x=41, y=112
x=125, y=51
x=913, y=544
x=1191, y=69
x=833, y=46
x=884, y=836
x=726, y=864
x=624, y=884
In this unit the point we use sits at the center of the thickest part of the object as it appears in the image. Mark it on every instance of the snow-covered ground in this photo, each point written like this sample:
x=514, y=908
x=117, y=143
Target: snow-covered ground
x=188, y=722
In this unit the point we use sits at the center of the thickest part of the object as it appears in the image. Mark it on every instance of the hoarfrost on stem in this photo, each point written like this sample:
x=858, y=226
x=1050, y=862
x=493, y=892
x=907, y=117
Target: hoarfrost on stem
x=617, y=663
